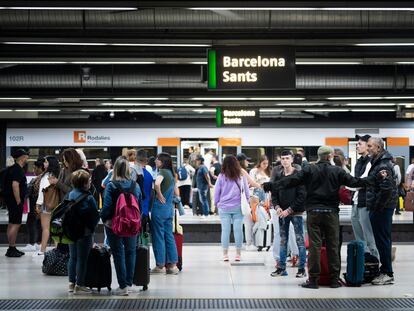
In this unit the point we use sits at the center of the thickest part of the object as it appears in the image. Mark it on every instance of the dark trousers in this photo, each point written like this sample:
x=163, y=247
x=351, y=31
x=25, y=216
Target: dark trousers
x=185, y=192
x=34, y=228
x=381, y=223
x=323, y=225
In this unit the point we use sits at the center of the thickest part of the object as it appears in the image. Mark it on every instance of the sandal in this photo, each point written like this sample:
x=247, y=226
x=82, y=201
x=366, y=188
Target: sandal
x=237, y=258
x=226, y=258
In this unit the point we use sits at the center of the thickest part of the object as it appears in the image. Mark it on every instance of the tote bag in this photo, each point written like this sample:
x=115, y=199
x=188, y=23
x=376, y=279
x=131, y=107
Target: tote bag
x=245, y=206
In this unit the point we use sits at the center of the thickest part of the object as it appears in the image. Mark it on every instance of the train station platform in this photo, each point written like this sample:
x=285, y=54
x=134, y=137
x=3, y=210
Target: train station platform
x=206, y=283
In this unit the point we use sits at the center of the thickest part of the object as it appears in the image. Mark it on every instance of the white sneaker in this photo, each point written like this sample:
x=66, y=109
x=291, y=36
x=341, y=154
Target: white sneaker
x=132, y=289
x=383, y=279
x=173, y=271
x=71, y=287
x=158, y=270
x=121, y=291
x=38, y=254
x=204, y=217
x=30, y=248
x=81, y=290
x=251, y=248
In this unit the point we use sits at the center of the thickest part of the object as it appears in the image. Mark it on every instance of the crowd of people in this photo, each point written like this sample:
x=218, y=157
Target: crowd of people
x=278, y=196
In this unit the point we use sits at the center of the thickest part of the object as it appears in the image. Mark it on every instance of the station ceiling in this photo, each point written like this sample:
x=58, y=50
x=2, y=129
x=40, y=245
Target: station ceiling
x=74, y=59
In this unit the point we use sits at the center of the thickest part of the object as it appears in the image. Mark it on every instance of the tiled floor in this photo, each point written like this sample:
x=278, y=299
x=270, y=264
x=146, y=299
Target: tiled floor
x=205, y=276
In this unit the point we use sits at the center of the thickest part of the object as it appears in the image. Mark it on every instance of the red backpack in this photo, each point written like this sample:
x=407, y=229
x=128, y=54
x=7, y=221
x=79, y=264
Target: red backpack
x=127, y=218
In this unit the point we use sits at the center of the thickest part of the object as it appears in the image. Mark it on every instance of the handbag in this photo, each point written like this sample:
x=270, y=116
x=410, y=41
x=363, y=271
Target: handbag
x=245, y=206
x=51, y=197
x=409, y=202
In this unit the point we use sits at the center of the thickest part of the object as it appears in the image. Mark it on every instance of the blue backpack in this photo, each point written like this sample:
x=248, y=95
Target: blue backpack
x=182, y=173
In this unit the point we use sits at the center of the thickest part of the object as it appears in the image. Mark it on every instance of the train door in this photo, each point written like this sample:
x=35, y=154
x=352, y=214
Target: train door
x=191, y=146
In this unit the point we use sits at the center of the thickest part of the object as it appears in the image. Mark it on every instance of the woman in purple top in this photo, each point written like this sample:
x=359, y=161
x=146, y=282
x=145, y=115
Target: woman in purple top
x=227, y=197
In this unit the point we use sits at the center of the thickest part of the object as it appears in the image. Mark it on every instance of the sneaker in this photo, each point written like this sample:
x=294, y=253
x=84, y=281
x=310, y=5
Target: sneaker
x=71, y=287
x=13, y=253
x=38, y=254
x=20, y=252
x=121, y=291
x=173, y=271
x=301, y=273
x=158, y=270
x=30, y=248
x=393, y=251
x=81, y=290
x=226, y=258
x=251, y=248
x=335, y=284
x=295, y=260
x=383, y=279
x=279, y=272
x=132, y=289
x=310, y=284
x=237, y=258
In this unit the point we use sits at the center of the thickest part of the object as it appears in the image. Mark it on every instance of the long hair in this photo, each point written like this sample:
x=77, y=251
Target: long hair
x=262, y=159
x=121, y=169
x=166, y=161
x=73, y=159
x=54, y=167
x=231, y=168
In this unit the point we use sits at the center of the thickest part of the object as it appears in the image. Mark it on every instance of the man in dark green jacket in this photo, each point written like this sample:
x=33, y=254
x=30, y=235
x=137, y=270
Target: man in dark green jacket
x=322, y=182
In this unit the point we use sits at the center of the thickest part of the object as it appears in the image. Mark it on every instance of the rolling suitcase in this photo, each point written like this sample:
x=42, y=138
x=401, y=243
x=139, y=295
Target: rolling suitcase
x=99, y=270
x=355, y=264
x=371, y=268
x=142, y=263
x=263, y=237
x=179, y=239
x=409, y=202
x=324, y=277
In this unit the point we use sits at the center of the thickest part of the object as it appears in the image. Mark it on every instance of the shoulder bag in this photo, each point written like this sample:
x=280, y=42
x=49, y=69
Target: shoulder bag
x=245, y=205
x=51, y=197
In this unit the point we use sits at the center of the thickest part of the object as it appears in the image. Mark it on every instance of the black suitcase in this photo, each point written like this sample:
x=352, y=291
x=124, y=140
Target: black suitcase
x=371, y=268
x=142, y=267
x=99, y=270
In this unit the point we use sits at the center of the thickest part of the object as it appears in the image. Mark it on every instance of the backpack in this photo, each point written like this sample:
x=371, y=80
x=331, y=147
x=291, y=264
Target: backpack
x=59, y=225
x=127, y=218
x=73, y=224
x=182, y=173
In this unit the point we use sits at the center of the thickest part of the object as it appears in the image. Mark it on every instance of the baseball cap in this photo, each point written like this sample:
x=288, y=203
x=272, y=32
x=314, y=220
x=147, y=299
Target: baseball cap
x=363, y=138
x=325, y=150
x=200, y=158
x=241, y=157
x=19, y=153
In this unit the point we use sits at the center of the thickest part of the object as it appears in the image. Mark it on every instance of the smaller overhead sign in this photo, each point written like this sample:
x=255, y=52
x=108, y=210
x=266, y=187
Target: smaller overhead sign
x=251, y=68
x=237, y=117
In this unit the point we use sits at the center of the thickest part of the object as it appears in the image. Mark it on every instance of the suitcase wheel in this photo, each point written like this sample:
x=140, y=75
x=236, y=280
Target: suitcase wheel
x=267, y=249
x=145, y=287
x=259, y=249
x=109, y=288
x=99, y=289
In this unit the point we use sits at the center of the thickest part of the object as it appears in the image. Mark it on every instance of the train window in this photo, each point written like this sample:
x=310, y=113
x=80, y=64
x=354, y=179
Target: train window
x=254, y=153
x=225, y=151
x=173, y=152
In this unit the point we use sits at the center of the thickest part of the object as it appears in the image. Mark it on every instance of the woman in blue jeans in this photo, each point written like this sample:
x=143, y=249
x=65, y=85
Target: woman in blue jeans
x=79, y=251
x=227, y=198
x=163, y=243
x=123, y=248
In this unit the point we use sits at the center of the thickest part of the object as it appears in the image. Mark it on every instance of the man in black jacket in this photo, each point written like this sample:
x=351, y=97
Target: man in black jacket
x=382, y=198
x=361, y=223
x=322, y=182
x=289, y=206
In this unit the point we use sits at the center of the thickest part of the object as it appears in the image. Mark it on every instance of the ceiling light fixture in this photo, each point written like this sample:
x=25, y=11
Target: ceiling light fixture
x=372, y=110
x=300, y=104
x=386, y=44
x=140, y=98
x=15, y=98
x=125, y=104
x=34, y=62
x=355, y=98
x=179, y=105
x=111, y=62
x=150, y=110
x=68, y=8
x=6, y=110
x=326, y=110
x=370, y=104
x=300, y=9
x=163, y=44
x=54, y=43
x=276, y=98
x=204, y=110
x=37, y=110
x=399, y=97
x=103, y=110
x=218, y=98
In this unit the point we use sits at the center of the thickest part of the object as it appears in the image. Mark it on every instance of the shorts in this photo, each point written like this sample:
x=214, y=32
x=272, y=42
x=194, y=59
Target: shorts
x=15, y=213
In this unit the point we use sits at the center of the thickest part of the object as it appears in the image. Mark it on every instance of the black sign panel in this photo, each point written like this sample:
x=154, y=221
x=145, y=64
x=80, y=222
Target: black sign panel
x=237, y=117
x=251, y=68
